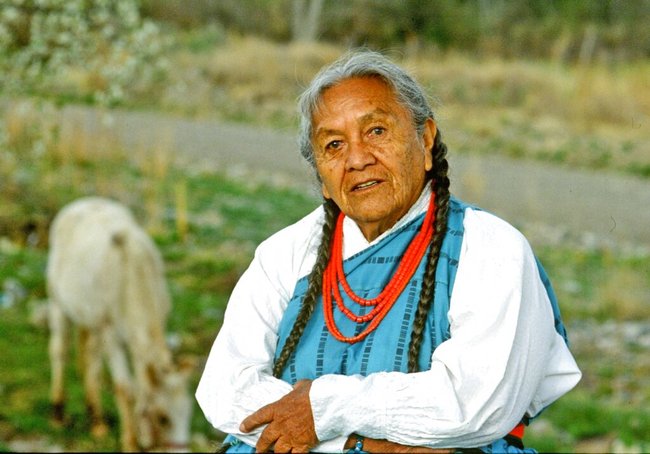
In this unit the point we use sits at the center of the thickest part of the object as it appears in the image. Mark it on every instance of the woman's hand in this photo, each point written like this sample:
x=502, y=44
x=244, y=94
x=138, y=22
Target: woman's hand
x=290, y=422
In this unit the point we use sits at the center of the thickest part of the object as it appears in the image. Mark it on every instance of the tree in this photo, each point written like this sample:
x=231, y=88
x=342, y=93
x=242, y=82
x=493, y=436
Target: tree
x=306, y=17
x=103, y=45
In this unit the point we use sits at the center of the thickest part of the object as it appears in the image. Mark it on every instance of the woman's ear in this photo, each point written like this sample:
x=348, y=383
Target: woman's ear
x=324, y=191
x=428, y=138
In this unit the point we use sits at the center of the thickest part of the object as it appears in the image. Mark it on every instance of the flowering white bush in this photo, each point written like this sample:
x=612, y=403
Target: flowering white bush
x=101, y=48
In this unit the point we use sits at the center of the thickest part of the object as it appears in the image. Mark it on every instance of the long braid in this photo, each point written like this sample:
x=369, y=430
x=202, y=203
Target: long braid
x=314, y=289
x=441, y=187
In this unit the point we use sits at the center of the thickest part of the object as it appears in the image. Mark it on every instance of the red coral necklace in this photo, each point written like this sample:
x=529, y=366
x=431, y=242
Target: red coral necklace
x=334, y=276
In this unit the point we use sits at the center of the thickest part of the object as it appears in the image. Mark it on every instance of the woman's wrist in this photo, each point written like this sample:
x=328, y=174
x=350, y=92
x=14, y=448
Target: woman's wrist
x=354, y=444
x=358, y=445
x=367, y=445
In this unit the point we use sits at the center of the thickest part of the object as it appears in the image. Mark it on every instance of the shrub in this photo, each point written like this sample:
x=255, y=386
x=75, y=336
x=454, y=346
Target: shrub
x=55, y=46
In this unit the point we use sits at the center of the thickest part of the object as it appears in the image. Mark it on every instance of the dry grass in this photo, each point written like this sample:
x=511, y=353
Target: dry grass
x=248, y=79
x=581, y=116
x=624, y=294
x=45, y=161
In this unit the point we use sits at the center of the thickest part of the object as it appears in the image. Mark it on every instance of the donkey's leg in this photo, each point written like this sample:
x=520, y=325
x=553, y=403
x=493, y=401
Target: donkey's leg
x=90, y=353
x=123, y=386
x=58, y=349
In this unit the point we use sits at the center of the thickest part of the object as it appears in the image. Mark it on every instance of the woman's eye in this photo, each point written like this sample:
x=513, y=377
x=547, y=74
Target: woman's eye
x=377, y=131
x=333, y=145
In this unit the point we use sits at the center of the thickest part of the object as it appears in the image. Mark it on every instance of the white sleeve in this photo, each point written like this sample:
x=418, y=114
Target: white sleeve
x=493, y=369
x=238, y=379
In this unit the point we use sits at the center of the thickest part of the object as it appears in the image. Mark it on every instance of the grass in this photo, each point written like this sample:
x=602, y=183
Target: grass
x=207, y=225
x=599, y=283
x=201, y=273
x=225, y=219
x=578, y=417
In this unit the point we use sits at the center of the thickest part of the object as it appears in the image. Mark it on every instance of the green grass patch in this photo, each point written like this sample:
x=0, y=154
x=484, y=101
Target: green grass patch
x=580, y=416
x=226, y=221
x=598, y=283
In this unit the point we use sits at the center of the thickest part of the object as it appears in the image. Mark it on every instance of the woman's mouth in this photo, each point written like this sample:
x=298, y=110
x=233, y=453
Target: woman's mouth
x=365, y=185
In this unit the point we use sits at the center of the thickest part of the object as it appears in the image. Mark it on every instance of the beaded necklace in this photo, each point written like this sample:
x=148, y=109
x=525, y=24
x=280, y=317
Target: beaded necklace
x=333, y=277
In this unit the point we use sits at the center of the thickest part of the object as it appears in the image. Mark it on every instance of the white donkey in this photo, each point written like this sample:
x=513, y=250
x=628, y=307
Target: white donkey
x=105, y=275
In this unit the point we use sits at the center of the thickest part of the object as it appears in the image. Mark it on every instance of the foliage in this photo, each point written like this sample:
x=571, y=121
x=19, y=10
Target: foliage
x=104, y=46
x=565, y=30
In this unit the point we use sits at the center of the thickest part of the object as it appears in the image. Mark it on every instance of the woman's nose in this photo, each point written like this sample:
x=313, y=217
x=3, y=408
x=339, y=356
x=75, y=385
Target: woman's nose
x=359, y=155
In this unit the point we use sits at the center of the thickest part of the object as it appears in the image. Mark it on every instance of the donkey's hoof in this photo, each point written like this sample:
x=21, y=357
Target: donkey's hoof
x=58, y=416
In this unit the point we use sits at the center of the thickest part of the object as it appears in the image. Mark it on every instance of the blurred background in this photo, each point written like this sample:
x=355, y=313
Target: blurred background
x=185, y=112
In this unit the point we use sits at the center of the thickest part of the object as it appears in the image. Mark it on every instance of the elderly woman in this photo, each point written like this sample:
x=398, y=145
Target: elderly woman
x=394, y=317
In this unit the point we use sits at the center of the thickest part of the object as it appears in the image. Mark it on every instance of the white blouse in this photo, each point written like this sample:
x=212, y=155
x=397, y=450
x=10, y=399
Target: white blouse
x=504, y=358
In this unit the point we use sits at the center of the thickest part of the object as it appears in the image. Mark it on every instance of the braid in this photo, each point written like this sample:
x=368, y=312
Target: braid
x=441, y=189
x=313, y=291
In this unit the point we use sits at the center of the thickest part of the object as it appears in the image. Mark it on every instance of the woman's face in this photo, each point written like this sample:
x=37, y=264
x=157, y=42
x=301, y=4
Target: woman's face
x=370, y=158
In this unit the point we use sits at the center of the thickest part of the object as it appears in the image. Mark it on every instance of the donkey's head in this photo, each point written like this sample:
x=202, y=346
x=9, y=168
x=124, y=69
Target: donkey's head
x=164, y=416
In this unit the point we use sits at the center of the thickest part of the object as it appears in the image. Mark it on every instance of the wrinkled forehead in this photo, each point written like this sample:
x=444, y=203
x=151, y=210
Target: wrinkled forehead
x=374, y=95
x=346, y=80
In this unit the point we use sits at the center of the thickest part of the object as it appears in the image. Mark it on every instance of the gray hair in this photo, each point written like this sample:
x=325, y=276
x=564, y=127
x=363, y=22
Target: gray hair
x=360, y=64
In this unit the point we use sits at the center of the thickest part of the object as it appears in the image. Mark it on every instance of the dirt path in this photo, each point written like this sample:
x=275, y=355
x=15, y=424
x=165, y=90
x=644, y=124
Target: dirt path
x=600, y=206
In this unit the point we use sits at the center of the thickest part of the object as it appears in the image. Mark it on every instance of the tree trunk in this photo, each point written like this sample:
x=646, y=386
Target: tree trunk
x=306, y=18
